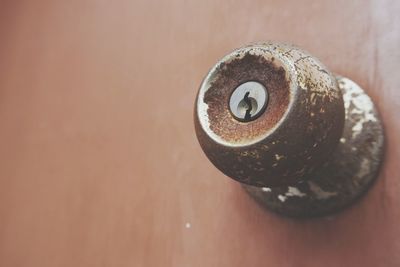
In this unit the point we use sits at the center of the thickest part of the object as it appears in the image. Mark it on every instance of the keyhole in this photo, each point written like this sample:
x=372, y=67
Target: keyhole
x=248, y=101
x=247, y=107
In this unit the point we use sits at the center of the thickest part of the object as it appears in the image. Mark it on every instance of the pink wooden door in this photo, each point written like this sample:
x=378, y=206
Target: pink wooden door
x=99, y=163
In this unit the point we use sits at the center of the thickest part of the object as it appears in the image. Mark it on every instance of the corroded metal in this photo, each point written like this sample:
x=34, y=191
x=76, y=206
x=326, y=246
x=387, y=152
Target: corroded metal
x=315, y=148
x=299, y=129
x=346, y=175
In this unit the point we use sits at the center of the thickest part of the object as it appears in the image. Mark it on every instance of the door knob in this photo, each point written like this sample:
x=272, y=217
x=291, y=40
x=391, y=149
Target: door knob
x=302, y=141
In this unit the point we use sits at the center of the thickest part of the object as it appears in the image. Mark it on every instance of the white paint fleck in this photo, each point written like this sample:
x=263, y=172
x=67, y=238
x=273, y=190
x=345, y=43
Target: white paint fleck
x=357, y=128
x=266, y=189
x=282, y=198
x=342, y=140
x=364, y=168
x=313, y=98
x=293, y=191
x=361, y=105
x=279, y=157
x=319, y=192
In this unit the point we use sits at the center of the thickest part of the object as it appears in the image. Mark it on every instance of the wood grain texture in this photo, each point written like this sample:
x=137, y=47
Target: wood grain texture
x=99, y=163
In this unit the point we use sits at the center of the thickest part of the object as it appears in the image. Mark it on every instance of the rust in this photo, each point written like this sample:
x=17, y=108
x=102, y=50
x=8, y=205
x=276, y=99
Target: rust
x=305, y=105
x=231, y=75
x=347, y=174
x=306, y=165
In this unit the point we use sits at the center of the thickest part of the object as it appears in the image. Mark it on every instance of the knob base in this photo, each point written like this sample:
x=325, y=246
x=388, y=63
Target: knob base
x=348, y=174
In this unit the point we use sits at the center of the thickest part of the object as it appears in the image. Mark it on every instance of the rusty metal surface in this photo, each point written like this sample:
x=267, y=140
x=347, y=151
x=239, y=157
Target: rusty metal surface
x=346, y=175
x=300, y=127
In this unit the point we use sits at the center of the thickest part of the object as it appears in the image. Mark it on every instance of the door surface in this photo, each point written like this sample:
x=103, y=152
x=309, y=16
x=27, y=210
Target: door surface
x=99, y=163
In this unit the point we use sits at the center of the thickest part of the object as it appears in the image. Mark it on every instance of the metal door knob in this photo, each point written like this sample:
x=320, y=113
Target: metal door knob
x=303, y=141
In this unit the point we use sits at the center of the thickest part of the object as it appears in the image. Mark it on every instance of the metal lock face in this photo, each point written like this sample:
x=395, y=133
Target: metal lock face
x=248, y=101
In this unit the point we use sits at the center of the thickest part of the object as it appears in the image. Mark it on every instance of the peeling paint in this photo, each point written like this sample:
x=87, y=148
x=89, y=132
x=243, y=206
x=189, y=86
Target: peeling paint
x=293, y=191
x=282, y=198
x=358, y=103
x=341, y=180
x=319, y=192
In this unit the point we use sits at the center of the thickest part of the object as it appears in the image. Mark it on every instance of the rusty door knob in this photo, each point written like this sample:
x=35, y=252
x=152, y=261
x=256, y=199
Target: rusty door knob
x=302, y=141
